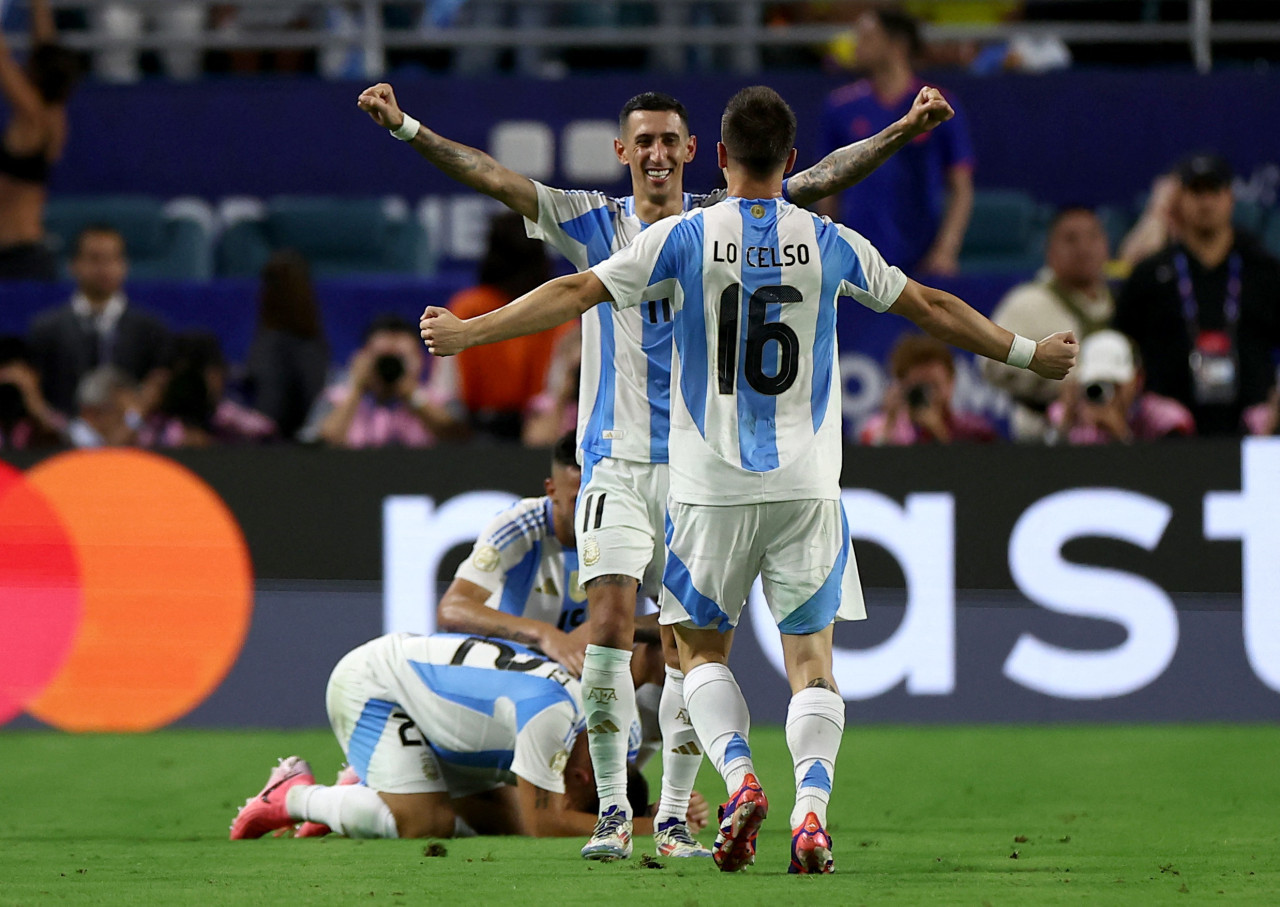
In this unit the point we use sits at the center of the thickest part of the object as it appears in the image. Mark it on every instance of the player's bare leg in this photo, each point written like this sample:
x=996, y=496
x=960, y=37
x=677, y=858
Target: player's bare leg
x=815, y=725
x=723, y=724
x=609, y=703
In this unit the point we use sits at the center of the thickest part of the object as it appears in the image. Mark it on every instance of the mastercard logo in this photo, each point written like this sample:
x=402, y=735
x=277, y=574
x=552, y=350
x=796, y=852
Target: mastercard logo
x=126, y=591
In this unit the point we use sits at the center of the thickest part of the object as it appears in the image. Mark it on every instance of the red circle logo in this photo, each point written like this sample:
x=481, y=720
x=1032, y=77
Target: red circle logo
x=126, y=591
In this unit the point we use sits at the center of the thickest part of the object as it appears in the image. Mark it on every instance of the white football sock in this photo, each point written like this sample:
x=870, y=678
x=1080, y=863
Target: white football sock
x=681, y=754
x=609, y=701
x=351, y=809
x=721, y=720
x=648, y=703
x=815, y=724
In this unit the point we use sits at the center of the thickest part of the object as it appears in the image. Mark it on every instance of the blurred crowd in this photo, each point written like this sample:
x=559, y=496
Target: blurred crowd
x=1186, y=343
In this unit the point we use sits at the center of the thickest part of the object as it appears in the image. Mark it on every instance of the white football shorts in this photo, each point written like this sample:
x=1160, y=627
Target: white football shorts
x=800, y=549
x=622, y=509
x=382, y=743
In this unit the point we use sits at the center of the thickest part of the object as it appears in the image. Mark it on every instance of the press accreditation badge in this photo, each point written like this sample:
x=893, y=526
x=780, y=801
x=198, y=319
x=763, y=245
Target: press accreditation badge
x=1213, y=368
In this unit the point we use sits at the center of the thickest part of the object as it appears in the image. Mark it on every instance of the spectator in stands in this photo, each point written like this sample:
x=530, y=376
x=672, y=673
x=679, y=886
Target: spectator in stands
x=1104, y=401
x=289, y=359
x=99, y=326
x=31, y=144
x=177, y=23
x=382, y=401
x=109, y=415
x=194, y=410
x=489, y=388
x=917, y=407
x=1069, y=294
x=26, y=418
x=1155, y=227
x=1264, y=418
x=1205, y=312
x=555, y=411
x=915, y=208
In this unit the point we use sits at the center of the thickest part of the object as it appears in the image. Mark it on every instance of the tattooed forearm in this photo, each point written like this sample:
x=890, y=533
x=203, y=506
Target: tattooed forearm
x=461, y=162
x=845, y=166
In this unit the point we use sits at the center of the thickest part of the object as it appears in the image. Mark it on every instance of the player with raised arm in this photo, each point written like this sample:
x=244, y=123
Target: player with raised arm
x=755, y=440
x=440, y=728
x=624, y=408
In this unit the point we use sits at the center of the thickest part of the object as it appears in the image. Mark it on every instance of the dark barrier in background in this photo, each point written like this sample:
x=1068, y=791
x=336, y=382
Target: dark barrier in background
x=1004, y=583
x=1078, y=136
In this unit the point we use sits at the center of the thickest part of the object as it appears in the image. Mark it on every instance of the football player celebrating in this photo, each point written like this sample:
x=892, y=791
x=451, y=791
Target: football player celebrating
x=624, y=405
x=756, y=441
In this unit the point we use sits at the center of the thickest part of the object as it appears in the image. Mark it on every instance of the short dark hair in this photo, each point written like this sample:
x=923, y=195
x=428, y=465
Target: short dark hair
x=95, y=229
x=14, y=349
x=389, y=321
x=758, y=129
x=565, y=453
x=652, y=100
x=901, y=27
x=919, y=349
x=1066, y=211
x=54, y=70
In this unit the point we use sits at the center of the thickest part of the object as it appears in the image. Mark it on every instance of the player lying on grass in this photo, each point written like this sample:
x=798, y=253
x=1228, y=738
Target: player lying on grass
x=440, y=728
x=755, y=441
x=624, y=402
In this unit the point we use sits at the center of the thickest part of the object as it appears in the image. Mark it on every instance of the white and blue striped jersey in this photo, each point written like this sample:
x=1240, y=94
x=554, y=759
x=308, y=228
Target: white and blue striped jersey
x=754, y=285
x=625, y=392
x=527, y=572
x=482, y=704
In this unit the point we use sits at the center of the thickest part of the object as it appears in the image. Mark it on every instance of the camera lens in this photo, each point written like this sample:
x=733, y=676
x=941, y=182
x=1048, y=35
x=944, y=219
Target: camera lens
x=390, y=368
x=918, y=396
x=1099, y=391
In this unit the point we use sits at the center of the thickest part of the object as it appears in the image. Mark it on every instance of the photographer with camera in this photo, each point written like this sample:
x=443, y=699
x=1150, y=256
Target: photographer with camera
x=1105, y=401
x=917, y=405
x=382, y=402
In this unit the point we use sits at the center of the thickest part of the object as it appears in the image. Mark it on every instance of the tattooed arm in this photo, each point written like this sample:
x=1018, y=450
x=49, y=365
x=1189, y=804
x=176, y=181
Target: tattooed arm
x=462, y=609
x=851, y=164
x=467, y=165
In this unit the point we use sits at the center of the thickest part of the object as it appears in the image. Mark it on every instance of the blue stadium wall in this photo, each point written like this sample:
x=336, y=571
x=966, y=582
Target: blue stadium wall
x=1088, y=136
x=1004, y=584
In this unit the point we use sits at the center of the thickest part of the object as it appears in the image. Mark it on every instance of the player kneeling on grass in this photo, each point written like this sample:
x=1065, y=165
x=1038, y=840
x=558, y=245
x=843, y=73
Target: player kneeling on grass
x=441, y=728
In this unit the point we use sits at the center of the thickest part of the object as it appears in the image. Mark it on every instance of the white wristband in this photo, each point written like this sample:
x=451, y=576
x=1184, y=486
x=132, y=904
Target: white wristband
x=406, y=130
x=1021, y=351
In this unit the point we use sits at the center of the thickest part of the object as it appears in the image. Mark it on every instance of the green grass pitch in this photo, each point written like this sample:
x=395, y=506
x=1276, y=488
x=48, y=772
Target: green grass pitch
x=962, y=815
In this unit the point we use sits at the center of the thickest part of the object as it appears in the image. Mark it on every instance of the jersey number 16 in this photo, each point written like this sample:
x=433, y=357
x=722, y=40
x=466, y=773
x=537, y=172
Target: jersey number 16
x=759, y=333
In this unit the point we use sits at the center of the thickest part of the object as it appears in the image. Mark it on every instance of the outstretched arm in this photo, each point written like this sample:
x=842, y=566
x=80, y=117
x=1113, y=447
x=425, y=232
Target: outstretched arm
x=954, y=321
x=467, y=165
x=851, y=164
x=42, y=27
x=551, y=304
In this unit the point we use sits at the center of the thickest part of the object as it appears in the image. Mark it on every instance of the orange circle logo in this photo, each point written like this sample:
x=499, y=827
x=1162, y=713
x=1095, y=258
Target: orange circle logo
x=126, y=591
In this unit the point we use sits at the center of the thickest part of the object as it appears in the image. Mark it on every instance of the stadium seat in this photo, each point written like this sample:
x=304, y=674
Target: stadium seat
x=170, y=241
x=1005, y=233
x=1271, y=234
x=339, y=236
x=1251, y=217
